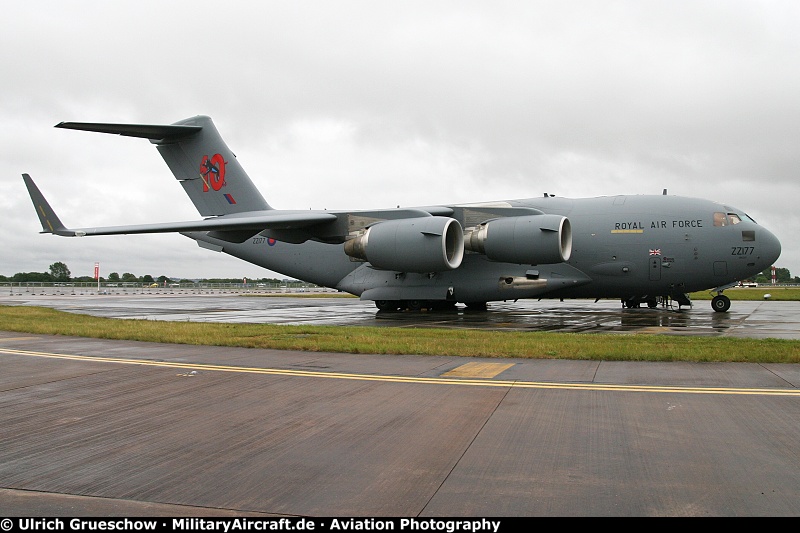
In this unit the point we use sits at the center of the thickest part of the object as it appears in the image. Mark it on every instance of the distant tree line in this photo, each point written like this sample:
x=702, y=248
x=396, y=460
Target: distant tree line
x=59, y=272
x=782, y=275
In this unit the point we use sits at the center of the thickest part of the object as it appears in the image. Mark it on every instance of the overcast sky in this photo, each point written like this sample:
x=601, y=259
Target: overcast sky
x=368, y=104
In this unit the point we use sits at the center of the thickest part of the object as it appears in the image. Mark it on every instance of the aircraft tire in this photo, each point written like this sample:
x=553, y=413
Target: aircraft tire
x=476, y=306
x=416, y=305
x=631, y=303
x=720, y=303
x=387, y=305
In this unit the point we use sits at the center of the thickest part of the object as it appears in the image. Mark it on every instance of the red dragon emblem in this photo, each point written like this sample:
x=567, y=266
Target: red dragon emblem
x=212, y=171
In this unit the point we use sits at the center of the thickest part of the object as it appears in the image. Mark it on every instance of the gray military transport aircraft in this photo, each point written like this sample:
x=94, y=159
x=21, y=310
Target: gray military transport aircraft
x=641, y=249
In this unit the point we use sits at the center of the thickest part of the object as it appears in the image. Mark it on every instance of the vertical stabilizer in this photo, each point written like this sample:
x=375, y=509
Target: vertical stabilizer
x=199, y=158
x=209, y=172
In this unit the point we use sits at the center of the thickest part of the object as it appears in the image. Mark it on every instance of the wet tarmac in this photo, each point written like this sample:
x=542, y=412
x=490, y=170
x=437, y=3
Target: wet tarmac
x=96, y=427
x=752, y=319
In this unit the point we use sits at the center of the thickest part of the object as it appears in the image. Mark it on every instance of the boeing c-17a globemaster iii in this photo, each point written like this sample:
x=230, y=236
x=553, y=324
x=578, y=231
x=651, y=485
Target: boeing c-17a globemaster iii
x=641, y=249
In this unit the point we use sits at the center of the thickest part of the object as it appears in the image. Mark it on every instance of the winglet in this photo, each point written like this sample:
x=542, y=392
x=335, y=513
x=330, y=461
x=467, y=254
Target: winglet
x=48, y=217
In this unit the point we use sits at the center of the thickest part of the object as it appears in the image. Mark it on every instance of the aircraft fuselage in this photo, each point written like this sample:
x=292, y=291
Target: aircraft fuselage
x=622, y=247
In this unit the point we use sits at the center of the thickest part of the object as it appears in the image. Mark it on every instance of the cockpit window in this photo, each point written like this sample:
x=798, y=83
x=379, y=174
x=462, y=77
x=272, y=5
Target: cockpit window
x=726, y=219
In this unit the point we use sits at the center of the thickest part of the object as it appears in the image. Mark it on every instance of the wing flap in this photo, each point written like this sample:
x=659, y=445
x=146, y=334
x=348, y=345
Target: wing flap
x=253, y=224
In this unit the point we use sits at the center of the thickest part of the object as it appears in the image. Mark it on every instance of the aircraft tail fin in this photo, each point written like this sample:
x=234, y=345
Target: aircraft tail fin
x=200, y=160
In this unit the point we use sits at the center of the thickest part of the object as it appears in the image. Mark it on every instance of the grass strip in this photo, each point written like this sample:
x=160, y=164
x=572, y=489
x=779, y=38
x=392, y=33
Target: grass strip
x=778, y=294
x=415, y=341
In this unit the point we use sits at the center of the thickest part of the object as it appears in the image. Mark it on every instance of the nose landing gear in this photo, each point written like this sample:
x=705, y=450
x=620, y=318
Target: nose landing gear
x=720, y=303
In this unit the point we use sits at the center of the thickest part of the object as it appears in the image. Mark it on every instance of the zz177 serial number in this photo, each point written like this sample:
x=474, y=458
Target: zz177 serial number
x=742, y=250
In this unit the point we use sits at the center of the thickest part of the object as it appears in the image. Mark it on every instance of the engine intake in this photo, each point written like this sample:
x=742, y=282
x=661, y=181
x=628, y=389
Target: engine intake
x=530, y=240
x=424, y=244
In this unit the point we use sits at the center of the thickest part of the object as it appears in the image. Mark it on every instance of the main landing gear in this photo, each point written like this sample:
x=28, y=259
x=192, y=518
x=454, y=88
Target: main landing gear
x=634, y=302
x=392, y=306
x=387, y=305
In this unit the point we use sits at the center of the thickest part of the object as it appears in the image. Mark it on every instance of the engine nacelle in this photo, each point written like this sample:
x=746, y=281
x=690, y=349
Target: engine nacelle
x=424, y=244
x=529, y=240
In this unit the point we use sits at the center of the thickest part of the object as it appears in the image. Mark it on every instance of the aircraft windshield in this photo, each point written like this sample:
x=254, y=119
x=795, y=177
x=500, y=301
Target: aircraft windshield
x=726, y=219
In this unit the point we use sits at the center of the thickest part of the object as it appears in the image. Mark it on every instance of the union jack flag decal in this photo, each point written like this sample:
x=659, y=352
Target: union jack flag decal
x=657, y=251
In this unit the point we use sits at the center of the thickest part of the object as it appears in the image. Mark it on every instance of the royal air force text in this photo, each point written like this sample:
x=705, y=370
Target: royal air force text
x=657, y=224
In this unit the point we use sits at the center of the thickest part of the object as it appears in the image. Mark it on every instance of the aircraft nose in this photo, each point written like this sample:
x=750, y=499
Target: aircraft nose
x=770, y=247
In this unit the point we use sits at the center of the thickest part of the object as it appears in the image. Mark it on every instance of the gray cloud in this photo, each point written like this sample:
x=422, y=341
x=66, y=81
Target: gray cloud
x=375, y=104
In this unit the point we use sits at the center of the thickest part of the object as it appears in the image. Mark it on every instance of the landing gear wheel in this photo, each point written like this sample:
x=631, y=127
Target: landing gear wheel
x=631, y=303
x=476, y=306
x=387, y=305
x=720, y=303
x=416, y=305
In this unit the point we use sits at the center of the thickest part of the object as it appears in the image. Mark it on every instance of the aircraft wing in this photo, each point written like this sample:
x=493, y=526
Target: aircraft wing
x=236, y=228
x=293, y=226
x=250, y=224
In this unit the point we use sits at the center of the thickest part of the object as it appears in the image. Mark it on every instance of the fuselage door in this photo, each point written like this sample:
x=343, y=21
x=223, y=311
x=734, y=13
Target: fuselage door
x=655, y=269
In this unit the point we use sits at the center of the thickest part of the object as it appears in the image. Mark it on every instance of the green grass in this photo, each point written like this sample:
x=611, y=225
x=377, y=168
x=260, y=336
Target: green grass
x=421, y=341
x=754, y=293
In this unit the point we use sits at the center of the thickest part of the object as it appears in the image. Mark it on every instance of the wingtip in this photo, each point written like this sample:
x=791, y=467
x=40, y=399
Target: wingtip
x=48, y=218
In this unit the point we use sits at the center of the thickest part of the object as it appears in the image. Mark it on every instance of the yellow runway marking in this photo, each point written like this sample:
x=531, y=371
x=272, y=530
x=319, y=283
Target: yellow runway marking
x=477, y=370
x=400, y=379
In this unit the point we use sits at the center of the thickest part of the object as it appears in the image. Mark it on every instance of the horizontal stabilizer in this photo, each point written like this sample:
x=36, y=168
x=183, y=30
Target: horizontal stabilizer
x=156, y=132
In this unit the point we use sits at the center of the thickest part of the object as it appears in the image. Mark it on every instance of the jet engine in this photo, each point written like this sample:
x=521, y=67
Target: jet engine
x=424, y=244
x=530, y=240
